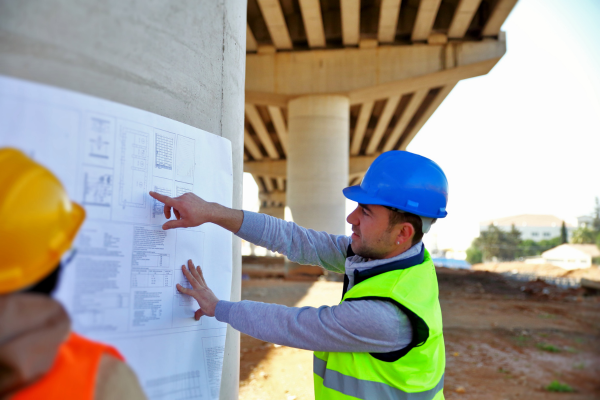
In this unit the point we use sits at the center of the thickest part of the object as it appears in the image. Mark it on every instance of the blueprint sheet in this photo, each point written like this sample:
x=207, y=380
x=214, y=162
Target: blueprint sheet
x=120, y=286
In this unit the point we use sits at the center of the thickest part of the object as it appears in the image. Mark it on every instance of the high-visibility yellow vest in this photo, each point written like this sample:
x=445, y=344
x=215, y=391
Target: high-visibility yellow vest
x=415, y=372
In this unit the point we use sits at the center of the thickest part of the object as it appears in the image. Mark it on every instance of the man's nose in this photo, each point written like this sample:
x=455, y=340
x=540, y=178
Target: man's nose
x=351, y=219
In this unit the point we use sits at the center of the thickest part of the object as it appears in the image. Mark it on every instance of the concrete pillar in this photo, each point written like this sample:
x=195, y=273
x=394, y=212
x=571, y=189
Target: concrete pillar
x=317, y=161
x=184, y=60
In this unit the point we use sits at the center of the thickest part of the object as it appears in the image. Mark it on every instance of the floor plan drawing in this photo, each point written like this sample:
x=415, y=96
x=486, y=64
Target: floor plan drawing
x=98, y=187
x=99, y=149
x=165, y=143
x=185, y=159
x=134, y=159
x=162, y=186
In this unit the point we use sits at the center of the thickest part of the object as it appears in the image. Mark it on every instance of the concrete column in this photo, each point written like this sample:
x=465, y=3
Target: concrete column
x=317, y=163
x=184, y=60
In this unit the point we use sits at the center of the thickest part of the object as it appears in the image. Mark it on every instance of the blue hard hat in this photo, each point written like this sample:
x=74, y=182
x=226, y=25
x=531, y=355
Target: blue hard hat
x=406, y=181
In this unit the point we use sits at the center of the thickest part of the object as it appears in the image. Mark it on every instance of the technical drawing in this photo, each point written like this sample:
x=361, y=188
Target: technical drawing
x=97, y=187
x=184, y=300
x=164, y=151
x=157, y=206
x=214, y=348
x=146, y=277
x=185, y=159
x=180, y=386
x=134, y=162
x=99, y=143
x=182, y=188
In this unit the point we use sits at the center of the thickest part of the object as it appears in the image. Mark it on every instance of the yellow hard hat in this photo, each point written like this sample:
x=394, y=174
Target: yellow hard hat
x=38, y=222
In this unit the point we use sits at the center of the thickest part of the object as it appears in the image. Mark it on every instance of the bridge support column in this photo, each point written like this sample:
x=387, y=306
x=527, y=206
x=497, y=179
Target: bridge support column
x=317, y=165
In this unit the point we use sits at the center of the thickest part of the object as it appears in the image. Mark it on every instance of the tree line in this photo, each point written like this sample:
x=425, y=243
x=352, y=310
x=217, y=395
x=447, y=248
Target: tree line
x=496, y=244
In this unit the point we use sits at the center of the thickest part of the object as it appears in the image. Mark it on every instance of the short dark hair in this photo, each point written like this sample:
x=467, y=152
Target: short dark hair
x=48, y=284
x=397, y=217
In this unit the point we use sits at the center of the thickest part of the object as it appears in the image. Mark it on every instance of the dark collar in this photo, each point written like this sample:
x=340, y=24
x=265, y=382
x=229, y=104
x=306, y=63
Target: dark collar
x=405, y=263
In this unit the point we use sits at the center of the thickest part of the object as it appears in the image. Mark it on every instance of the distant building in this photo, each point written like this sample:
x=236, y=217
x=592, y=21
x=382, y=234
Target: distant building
x=571, y=256
x=585, y=221
x=531, y=226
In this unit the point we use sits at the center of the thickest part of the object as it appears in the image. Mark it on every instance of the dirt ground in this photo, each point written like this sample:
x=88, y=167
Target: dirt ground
x=504, y=339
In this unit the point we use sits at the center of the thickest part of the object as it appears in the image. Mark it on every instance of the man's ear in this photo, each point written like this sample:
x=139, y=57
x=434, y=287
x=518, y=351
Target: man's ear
x=406, y=233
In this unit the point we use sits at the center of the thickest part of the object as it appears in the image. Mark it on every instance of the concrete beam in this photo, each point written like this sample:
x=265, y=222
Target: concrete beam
x=383, y=123
x=251, y=146
x=268, y=183
x=275, y=197
x=275, y=78
x=278, y=168
x=271, y=168
x=251, y=44
x=279, y=124
x=388, y=20
x=275, y=21
x=260, y=129
x=267, y=99
x=462, y=18
x=407, y=115
x=350, y=10
x=313, y=22
x=280, y=184
x=361, y=126
x=360, y=165
x=426, y=14
x=497, y=18
x=444, y=92
x=423, y=82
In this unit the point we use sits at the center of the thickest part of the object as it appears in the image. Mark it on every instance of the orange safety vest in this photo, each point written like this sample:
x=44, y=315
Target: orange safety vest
x=73, y=374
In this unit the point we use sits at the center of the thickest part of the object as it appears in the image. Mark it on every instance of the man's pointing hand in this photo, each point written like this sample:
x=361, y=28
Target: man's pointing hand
x=189, y=209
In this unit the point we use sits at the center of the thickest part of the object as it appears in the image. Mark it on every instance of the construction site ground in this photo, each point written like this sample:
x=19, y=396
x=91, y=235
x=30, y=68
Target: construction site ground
x=504, y=339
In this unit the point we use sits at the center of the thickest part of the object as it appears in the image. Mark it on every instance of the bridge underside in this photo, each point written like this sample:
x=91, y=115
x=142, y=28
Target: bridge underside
x=332, y=84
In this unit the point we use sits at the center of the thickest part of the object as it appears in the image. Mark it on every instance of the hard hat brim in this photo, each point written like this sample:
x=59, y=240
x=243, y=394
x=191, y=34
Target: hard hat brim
x=359, y=195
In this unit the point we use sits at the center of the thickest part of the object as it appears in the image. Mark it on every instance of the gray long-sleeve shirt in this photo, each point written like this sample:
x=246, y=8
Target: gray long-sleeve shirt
x=359, y=326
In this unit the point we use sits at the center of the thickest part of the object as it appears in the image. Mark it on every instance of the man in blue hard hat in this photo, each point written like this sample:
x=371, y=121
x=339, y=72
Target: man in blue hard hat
x=384, y=340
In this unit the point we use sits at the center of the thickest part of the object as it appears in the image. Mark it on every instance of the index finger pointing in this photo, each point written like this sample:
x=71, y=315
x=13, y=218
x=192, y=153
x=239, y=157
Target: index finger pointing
x=162, y=198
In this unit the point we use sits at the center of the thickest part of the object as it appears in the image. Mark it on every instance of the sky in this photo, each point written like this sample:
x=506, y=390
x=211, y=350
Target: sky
x=525, y=138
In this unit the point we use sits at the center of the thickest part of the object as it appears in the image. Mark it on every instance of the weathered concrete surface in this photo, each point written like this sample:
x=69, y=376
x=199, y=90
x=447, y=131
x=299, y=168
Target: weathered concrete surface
x=184, y=60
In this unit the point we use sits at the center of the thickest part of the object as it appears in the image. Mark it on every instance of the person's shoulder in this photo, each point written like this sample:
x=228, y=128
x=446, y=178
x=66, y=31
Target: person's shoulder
x=116, y=380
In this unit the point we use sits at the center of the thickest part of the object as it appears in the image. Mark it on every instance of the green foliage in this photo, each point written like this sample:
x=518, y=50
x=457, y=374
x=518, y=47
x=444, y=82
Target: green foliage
x=584, y=235
x=556, y=386
x=530, y=247
x=474, y=255
x=564, y=236
x=596, y=221
x=547, y=347
x=495, y=243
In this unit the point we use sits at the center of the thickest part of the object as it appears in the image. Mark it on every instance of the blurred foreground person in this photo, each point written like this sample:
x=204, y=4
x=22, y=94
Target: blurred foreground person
x=40, y=357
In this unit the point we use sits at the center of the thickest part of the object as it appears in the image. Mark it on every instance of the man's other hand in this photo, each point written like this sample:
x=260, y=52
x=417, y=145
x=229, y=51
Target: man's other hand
x=204, y=296
x=189, y=209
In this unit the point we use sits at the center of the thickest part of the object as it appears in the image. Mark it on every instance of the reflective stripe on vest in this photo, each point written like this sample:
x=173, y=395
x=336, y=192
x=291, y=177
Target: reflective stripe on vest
x=363, y=389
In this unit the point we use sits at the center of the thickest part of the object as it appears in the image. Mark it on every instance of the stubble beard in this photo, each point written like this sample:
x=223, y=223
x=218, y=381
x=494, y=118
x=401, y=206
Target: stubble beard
x=367, y=252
